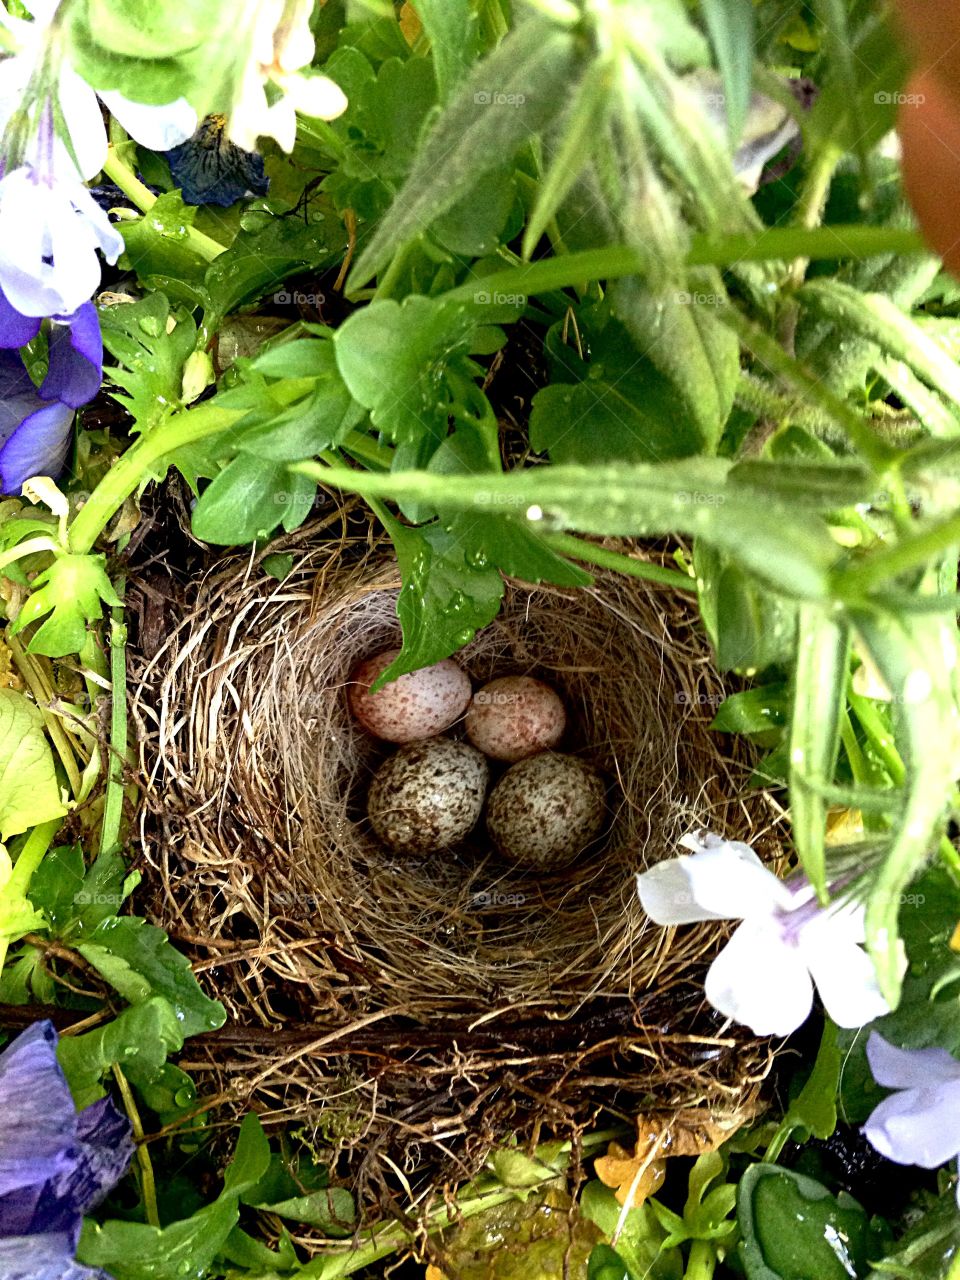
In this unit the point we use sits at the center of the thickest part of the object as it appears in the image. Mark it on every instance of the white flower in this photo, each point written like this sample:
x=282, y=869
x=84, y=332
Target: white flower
x=920, y=1123
x=282, y=46
x=764, y=976
x=49, y=236
x=157, y=127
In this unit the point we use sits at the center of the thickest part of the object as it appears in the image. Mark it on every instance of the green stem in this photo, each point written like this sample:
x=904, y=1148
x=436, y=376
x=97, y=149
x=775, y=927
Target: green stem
x=31, y=546
x=702, y=1261
x=760, y=398
x=147, y=1180
x=910, y=554
x=31, y=855
x=133, y=466
x=128, y=182
x=881, y=738
x=577, y=549
x=117, y=758
x=776, y=243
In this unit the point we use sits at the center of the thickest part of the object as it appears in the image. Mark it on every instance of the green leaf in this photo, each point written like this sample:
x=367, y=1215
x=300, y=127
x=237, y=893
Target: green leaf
x=137, y=960
x=132, y=1251
x=140, y=1039
x=72, y=591
x=679, y=331
x=444, y=599
x=606, y=1264
x=641, y=1237
x=158, y=243
x=29, y=792
x=929, y=1248
x=161, y=31
x=331, y=1209
x=731, y=27
x=758, y=710
x=814, y=1109
x=917, y=657
x=151, y=359
x=789, y=550
x=819, y=699
x=793, y=1227
x=246, y=501
x=753, y=630
x=454, y=33
x=393, y=358
x=506, y=97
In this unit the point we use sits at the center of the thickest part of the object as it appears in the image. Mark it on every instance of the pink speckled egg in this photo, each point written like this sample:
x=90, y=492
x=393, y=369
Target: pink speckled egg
x=418, y=705
x=515, y=717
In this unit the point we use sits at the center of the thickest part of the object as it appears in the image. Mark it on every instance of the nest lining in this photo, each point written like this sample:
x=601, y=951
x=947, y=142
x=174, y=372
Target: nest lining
x=386, y=1001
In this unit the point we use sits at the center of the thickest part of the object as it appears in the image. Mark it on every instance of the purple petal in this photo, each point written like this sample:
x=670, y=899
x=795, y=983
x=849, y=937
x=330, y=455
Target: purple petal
x=106, y=1149
x=76, y=358
x=918, y=1126
x=15, y=329
x=43, y=1257
x=909, y=1068
x=38, y=1132
x=37, y=447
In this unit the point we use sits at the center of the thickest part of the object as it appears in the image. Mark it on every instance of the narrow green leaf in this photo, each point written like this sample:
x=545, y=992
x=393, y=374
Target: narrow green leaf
x=730, y=24
x=454, y=33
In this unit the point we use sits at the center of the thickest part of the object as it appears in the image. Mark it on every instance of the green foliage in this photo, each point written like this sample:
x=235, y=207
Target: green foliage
x=29, y=793
x=67, y=596
x=792, y=1226
x=152, y=345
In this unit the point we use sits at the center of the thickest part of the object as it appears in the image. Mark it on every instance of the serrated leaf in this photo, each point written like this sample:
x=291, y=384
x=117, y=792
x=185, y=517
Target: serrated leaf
x=29, y=792
x=152, y=346
x=505, y=98
x=68, y=595
x=137, y=960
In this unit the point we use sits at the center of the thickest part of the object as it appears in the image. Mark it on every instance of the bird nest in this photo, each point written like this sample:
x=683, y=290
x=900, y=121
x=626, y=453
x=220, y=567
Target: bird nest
x=408, y=1013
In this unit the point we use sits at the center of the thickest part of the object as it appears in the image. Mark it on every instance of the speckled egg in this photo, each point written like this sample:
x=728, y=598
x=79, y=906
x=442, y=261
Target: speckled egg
x=545, y=810
x=515, y=717
x=428, y=796
x=417, y=705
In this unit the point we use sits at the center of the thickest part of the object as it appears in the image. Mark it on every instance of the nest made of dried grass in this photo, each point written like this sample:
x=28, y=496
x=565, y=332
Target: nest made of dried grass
x=411, y=1012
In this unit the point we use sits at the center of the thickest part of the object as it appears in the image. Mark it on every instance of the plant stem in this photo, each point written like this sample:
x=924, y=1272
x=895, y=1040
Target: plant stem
x=117, y=757
x=702, y=1261
x=911, y=553
x=776, y=243
x=29, y=667
x=31, y=855
x=590, y=553
x=132, y=467
x=147, y=1181
x=203, y=245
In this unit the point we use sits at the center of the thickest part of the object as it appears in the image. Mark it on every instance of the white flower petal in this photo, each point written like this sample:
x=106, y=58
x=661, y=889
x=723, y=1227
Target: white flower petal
x=918, y=1126
x=844, y=976
x=317, y=96
x=909, y=1068
x=157, y=127
x=724, y=881
x=293, y=45
x=88, y=136
x=761, y=981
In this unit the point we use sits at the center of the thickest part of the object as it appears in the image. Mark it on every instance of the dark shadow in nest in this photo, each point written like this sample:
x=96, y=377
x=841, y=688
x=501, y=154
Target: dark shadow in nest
x=410, y=1013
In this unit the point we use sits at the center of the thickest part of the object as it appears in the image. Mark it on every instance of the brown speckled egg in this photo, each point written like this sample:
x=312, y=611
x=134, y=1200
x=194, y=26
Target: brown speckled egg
x=414, y=706
x=545, y=810
x=515, y=717
x=428, y=796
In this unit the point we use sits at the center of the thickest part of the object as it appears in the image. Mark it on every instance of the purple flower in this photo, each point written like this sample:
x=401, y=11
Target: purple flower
x=919, y=1123
x=55, y=1165
x=35, y=424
